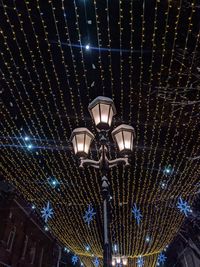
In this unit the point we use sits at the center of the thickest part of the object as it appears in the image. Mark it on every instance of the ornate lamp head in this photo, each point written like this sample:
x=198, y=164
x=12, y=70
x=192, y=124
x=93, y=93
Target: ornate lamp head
x=81, y=139
x=124, y=136
x=102, y=110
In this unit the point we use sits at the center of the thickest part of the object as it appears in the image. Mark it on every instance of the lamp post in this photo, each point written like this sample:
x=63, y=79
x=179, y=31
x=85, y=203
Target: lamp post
x=102, y=110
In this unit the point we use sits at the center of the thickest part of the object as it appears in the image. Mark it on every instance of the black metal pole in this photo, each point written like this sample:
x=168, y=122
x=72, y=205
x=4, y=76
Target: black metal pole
x=104, y=167
x=106, y=246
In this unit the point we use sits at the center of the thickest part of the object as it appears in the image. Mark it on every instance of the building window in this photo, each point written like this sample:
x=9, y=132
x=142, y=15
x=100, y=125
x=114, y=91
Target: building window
x=32, y=253
x=41, y=257
x=25, y=247
x=11, y=238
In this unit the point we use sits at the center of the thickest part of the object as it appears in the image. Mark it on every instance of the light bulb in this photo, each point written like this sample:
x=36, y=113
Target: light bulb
x=87, y=47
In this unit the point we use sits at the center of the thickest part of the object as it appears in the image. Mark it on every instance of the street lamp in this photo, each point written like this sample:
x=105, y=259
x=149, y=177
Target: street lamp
x=102, y=110
x=118, y=260
x=124, y=260
x=113, y=262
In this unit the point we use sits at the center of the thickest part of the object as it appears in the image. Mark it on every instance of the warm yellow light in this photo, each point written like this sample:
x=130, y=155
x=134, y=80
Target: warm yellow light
x=124, y=136
x=113, y=262
x=124, y=260
x=81, y=139
x=118, y=259
x=102, y=110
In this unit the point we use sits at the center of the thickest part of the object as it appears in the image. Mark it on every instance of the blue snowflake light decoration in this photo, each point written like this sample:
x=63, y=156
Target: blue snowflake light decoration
x=47, y=212
x=96, y=262
x=183, y=206
x=29, y=146
x=74, y=259
x=87, y=248
x=140, y=262
x=89, y=213
x=168, y=170
x=53, y=182
x=147, y=239
x=161, y=258
x=137, y=214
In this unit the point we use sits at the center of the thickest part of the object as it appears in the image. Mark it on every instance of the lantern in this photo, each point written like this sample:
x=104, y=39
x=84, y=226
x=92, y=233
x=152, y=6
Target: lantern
x=124, y=136
x=124, y=260
x=102, y=110
x=118, y=259
x=113, y=262
x=81, y=139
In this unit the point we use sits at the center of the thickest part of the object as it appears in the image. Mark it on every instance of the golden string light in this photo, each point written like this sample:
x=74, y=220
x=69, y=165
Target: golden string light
x=155, y=126
x=99, y=43
x=174, y=167
x=58, y=168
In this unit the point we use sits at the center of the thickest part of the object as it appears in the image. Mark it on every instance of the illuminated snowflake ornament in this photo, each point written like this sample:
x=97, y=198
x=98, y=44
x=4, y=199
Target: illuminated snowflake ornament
x=140, y=262
x=47, y=212
x=183, y=206
x=74, y=259
x=89, y=213
x=87, y=248
x=96, y=262
x=161, y=258
x=137, y=214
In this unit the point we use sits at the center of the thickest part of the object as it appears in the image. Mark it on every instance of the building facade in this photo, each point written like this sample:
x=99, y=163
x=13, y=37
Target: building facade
x=23, y=242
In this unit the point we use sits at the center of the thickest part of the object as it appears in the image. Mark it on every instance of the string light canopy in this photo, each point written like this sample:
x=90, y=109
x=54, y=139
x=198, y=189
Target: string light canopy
x=144, y=55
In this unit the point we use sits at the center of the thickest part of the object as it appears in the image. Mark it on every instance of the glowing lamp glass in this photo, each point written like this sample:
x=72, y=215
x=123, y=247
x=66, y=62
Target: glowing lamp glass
x=124, y=136
x=102, y=110
x=81, y=139
x=125, y=261
x=113, y=262
x=118, y=260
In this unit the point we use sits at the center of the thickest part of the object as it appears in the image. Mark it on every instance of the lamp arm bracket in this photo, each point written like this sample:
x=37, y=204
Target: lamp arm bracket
x=115, y=162
x=97, y=164
x=89, y=162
